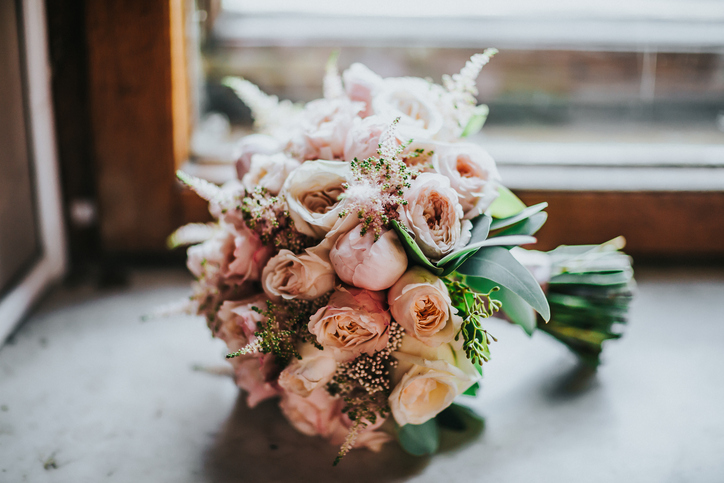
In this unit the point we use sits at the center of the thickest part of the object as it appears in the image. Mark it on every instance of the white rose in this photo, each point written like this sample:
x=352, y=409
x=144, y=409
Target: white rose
x=315, y=369
x=312, y=192
x=289, y=276
x=251, y=145
x=363, y=139
x=420, y=302
x=367, y=263
x=434, y=215
x=359, y=84
x=415, y=101
x=269, y=172
x=431, y=380
x=323, y=129
x=472, y=173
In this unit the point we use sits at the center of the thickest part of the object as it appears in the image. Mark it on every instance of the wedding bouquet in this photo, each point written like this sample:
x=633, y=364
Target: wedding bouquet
x=354, y=263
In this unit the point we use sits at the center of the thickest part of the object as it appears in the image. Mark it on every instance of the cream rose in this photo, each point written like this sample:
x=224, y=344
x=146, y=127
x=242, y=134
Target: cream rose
x=312, y=192
x=289, y=276
x=316, y=414
x=315, y=369
x=472, y=173
x=414, y=101
x=269, y=171
x=434, y=215
x=355, y=321
x=363, y=140
x=359, y=84
x=324, y=126
x=365, y=263
x=251, y=145
x=430, y=380
x=420, y=302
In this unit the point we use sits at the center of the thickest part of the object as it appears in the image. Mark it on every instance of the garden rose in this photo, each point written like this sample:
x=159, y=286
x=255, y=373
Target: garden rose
x=249, y=256
x=249, y=376
x=472, y=173
x=251, y=145
x=324, y=127
x=431, y=379
x=363, y=262
x=211, y=255
x=359, y=84
x=315, y=369
x=238, y=321
x=368, y=437
x=312, y=192
x=355, y=321
x=316, y=414
x=306, y=276
x=414, y=102
x=434, y=215
x=269, y=171
x=363, y=139
x=420, y=302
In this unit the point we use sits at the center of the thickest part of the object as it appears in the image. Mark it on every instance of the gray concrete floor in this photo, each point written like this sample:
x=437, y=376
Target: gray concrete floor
x=90, y=393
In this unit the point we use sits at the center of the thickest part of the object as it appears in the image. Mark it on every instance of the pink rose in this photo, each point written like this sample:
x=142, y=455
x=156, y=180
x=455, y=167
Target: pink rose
x=420, y=303
x=324, y=127
x=363, y=262
x=472, y=173
x=315, y=369
x=249, y=257
x=359, y=84
x=313, y=415
x=306, y=276
x=238, y=321
x=363, y=139
x=434, y=215
x=269, y=171
x=368, y=437
x=251, y=145
x=211, y=256
x=355, y=321
x=250, y=377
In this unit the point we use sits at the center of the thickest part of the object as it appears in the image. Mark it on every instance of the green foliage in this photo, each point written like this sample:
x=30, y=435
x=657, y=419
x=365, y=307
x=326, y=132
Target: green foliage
x=520, y=216
x=477, y=121
x=506, y=204
x=457, y=417
x=419, y=439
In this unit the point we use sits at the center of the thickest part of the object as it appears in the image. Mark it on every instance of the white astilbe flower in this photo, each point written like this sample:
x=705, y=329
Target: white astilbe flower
x=389, y=146
x=463, y=85
x=268, y=111
x=332, y=80
x=191, y=234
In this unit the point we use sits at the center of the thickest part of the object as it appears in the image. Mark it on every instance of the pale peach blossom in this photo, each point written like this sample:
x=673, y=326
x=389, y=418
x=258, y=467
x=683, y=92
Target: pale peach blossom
x=249, y=257
x=306, y=276
x=254, y=144
x=238, y=321
x=364, y=262
x=314, y=415
x=359, y=84
x=315, y=369
x=363, y=139
x=249, y=375
x=354, y=322
x=269, y=171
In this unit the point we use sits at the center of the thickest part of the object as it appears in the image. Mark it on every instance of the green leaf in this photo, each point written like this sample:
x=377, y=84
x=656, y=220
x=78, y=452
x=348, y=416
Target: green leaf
x=477, y=121
x=419, y=439
x=520, y=216
x=506, y=204
x=457, y=417
x=490, y=242
x=498, y=265
x=414, y=252
x=526, y=227
x=472, y=390
x=517, y=310
x=600, y=278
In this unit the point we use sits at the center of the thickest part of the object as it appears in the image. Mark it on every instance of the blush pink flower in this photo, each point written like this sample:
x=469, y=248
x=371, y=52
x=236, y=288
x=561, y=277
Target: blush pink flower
x=238, y=321
x=251, y=145
x=355, y=321
x=306, y=276
x=249, y=257
x=363, y=139
x=249, y=375
x=359, y=84
x=365, y=263
x=314, y=415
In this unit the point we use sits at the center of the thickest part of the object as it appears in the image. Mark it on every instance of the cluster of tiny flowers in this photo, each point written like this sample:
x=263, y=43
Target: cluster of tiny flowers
x=268, y=216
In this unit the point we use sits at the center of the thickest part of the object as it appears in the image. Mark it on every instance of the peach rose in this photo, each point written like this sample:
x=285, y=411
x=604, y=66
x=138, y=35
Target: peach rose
x=312, y=192
x=238, y=321
x=363, y=140
x=316, y=414
x=420, y=302
x=415, y=102
x=306, y=276
x=472, y=173
x=355, y=321
x=434, y=215
x=315, y=369
x=324, y=126
x=365, y=263
x=430, y=380
x=249, y=375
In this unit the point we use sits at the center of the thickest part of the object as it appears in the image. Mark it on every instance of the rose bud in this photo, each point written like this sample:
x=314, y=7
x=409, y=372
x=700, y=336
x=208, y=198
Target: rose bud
x=361, y=261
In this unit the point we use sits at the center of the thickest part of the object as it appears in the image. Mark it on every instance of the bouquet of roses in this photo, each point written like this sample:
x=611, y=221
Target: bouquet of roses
x=355, y=261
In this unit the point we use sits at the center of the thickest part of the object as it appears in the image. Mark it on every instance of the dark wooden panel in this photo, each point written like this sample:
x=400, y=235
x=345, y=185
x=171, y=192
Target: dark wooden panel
x=656, y=224
x=136, y=149
x=19, y=242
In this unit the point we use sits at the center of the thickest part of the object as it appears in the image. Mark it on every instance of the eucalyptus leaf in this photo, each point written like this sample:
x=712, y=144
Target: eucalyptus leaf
x=477, y=121
x=490, y=242
x=414, y=253
x=498, y=265
x=517, y=310
x=526, y=227
x=419, y=439
x=506, y=204
x=598, y=278
x=481, y=228
x=457, y=417
x=472, y=390
x=520, y=216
